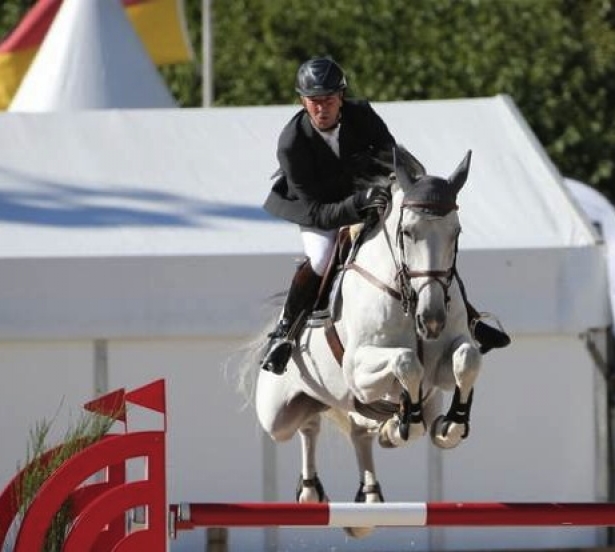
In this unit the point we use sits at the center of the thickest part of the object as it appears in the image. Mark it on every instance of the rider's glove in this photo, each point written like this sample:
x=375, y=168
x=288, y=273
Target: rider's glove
x=372, y=201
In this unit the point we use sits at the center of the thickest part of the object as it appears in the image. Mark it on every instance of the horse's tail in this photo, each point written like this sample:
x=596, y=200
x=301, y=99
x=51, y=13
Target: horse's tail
x=242, y=367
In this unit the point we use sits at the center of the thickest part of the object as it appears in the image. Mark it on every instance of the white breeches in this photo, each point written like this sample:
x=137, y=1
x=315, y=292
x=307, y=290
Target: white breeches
x=318, y=246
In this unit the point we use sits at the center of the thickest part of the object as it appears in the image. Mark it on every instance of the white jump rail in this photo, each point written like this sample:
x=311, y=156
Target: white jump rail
x=187, y=516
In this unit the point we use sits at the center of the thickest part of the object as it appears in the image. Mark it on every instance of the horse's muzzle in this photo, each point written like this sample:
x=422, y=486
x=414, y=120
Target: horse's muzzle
x=429, y=328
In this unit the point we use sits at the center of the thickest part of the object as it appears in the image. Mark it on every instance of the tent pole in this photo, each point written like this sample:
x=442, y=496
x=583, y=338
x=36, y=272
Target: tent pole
x=207, y=52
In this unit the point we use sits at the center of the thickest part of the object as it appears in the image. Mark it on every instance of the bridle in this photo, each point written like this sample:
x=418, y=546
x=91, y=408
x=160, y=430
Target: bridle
x=404, y=291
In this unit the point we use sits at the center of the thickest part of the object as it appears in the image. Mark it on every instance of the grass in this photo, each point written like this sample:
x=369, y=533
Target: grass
x=40, y=464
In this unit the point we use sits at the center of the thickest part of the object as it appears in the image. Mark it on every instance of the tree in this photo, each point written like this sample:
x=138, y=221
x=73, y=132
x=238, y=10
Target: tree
x=555, y=58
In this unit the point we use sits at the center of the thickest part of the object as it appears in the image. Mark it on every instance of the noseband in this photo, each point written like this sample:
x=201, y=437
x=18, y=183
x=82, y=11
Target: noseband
x=403, y=275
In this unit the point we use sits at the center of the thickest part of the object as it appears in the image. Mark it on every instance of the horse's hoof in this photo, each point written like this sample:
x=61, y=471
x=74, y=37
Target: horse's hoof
x=310, y=491
x=369, y=493
x=391, y=435
x=358, y=532
x=387, y=429
x=384, y=441
x=447, y=434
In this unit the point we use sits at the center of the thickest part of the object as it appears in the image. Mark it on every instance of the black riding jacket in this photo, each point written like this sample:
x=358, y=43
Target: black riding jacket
x=314, y=187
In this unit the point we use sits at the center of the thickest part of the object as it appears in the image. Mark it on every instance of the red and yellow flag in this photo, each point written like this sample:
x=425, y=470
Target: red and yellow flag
x=159, y=23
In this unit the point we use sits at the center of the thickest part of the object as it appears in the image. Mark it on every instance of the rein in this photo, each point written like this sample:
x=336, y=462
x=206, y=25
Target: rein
x=403, y=275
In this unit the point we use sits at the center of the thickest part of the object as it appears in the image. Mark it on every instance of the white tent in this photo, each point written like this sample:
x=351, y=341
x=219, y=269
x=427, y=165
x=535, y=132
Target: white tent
x=91, y=58
x=601, y=213
x=148, y=255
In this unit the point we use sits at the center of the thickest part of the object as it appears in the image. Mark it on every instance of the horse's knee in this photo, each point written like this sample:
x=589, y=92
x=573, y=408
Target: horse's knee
x=466, y=366
x=407, y=367
x=376, y=371
x=468, y=359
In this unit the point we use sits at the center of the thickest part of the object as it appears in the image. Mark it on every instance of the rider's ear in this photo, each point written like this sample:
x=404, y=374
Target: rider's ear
x=459, y=177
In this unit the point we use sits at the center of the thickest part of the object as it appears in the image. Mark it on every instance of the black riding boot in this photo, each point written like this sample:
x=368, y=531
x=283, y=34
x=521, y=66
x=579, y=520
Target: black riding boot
x=488, y=336
x=301, y=297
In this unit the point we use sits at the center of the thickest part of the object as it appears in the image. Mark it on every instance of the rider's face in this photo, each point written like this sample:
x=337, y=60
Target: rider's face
x=323, y=110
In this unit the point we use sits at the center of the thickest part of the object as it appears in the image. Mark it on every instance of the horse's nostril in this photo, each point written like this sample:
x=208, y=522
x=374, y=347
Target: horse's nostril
x=429, y=328
x=419, y=323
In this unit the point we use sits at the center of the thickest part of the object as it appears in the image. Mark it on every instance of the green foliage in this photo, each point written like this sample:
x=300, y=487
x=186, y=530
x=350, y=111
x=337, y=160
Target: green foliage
x=555, y=58
x=11, y=12
x=88, y=429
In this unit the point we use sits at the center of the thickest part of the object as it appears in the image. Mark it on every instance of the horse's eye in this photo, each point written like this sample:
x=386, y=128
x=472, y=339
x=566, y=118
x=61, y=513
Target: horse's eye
x=410, y=234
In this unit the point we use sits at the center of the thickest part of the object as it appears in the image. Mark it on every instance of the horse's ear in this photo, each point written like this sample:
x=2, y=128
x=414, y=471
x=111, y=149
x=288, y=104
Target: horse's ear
x=408, y=168
x=459, y=177
x=411, y=164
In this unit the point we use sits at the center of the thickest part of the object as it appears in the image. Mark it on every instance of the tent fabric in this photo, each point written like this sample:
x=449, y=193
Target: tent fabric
x=601, y=213
x=160, y=25
x=148, y=193
x=91, y=58
x=191, y=175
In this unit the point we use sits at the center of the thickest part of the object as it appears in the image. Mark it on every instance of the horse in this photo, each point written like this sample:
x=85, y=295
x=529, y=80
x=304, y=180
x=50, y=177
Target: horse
x=398, y=338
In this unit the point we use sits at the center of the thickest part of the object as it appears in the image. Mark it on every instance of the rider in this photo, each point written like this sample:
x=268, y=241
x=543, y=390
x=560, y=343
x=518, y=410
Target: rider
x=322, y=150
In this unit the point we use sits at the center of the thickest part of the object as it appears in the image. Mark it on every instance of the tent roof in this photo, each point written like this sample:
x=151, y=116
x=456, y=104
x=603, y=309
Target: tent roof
x=192, y=181
x=91, y=58
x=150, y=222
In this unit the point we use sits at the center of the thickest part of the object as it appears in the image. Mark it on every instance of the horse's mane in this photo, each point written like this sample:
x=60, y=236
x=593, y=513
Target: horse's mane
x=377, y=168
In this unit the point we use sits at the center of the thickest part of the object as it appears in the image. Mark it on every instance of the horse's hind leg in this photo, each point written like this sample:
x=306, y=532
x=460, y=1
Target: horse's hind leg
x=309, y=488
x=449, y=430
x=362, y=433
x=281, y=412
x=281, y=416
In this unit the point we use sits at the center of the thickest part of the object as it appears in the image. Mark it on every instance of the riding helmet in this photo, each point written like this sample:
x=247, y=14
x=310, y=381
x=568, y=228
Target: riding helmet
x=320, y=77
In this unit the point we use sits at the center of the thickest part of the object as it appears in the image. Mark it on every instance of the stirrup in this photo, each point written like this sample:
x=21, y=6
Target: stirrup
x=486, y=347
x=485, y=316
x=277, y=355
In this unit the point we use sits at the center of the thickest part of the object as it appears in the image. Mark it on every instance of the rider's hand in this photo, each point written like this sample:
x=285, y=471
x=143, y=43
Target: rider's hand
x=372, y=201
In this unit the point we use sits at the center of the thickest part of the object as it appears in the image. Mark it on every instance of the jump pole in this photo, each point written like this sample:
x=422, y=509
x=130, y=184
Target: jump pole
x=188, y=516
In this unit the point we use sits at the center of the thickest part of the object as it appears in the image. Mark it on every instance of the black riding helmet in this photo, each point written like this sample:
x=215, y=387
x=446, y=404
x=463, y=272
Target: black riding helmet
x=320, y=77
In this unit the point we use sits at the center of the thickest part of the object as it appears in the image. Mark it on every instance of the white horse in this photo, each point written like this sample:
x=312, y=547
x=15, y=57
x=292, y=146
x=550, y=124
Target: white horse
x=401, y=334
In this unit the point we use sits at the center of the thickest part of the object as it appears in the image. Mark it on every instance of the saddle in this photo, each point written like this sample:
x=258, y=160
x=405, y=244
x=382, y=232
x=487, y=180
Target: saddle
x=327, y=299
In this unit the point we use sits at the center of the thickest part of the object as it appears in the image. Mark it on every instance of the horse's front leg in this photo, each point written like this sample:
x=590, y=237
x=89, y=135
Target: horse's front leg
x=449, y=430
x=309, y=487
x=391, y=373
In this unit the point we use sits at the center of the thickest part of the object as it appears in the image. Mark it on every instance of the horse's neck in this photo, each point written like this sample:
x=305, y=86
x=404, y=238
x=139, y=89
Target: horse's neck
x=378, y=253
